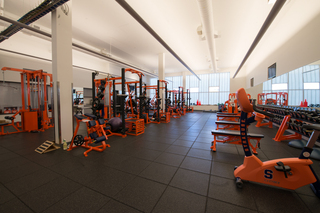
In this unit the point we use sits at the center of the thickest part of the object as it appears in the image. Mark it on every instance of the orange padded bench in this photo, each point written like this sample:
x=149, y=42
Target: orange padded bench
x=234, y=137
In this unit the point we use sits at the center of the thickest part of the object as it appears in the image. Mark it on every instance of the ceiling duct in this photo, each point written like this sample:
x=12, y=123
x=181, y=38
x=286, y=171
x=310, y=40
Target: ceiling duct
x=206, y=13
x=272, y=15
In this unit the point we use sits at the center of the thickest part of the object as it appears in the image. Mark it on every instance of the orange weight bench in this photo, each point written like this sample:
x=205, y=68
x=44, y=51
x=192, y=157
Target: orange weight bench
x=17, y=126
x=226, y=117
x=228, y=125
x=96, y=134
x=234, y=137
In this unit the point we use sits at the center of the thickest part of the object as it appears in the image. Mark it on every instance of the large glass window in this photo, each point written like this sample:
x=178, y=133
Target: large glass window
x=213, y=88
x=169, y=80
x=295, y=94
x=173, y=84
x=153, y=82
x=302, y=83
x=311, y=84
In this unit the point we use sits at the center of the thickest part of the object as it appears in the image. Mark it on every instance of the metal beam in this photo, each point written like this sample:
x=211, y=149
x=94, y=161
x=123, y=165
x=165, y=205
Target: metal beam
x=138, y=18
x=272, y=15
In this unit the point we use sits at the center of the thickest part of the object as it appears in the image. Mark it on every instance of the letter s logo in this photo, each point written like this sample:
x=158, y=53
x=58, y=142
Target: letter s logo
x=268, y=174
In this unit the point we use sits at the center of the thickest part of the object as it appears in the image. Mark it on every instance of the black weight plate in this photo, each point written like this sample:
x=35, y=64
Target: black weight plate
x=78, y=140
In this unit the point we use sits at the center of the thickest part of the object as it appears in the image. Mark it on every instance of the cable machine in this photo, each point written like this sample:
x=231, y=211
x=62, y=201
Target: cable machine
x=35, y=106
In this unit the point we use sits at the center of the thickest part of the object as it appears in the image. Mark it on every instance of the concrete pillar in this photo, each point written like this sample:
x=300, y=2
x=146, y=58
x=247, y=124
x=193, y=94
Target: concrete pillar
x=184, y=80
x=161, y=75
x=61, y=21
x=184, y=84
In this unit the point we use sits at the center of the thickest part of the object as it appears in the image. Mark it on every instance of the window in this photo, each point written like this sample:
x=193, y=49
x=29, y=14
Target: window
x=279, y=86
x=311, y=86
x=310, y=82
x=169, y=85
x=295, y=85
x=194, y=89
x=213, y=88
x=177, y=82
x=252, y=82
x=272, y=71
x=302, y=83
x=153, y=82
x=267, y=86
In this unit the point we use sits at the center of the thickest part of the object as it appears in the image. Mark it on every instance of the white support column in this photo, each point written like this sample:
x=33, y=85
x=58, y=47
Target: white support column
x=184, y=81
x=61, y=21
x=184, y=85
x=161, y=71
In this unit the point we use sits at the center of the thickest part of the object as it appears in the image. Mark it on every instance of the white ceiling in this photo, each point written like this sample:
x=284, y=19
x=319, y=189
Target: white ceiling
x=104, y=24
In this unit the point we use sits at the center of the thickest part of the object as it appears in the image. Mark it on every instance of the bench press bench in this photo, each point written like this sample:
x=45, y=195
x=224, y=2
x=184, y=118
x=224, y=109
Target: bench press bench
x=228, y=125
x=223, y=117
x=16, y=126
x=90, y=116
x=234, y=137
x=227, y=113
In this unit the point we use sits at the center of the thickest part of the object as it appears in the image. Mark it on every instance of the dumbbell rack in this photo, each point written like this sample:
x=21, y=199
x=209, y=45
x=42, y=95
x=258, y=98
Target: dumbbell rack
x=292, y=118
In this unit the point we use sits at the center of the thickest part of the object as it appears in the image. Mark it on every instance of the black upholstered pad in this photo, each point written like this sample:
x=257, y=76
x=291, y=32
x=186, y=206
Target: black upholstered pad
x=228, y=122
x=235, y=133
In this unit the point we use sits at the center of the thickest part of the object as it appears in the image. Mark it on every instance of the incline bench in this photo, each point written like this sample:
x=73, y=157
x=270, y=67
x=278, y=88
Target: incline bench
x=234, y=137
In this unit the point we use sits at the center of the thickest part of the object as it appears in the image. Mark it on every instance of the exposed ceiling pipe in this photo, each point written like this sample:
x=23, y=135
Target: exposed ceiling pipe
x=1, y=7
x=206, y=13
x=138, y=18
x=44, y=8
x=77, y=46
x=272, y=15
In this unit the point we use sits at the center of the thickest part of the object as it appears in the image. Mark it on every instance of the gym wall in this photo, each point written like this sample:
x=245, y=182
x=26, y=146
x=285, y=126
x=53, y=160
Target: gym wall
x=302, y=49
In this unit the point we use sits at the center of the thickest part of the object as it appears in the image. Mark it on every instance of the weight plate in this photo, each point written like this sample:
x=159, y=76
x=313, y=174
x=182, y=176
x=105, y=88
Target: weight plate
x=78, y=140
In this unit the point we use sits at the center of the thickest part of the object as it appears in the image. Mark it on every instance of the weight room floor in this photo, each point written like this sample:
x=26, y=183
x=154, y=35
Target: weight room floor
x=169, y=168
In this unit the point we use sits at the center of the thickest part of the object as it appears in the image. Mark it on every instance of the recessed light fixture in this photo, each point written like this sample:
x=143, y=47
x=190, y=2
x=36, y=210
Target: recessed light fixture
x=271, y=1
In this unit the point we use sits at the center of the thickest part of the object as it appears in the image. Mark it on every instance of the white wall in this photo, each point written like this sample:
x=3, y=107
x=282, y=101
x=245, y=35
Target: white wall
x=254, y=91
x=239, y=81
x=302, y=49
x=20, y=62
x=34, y=46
